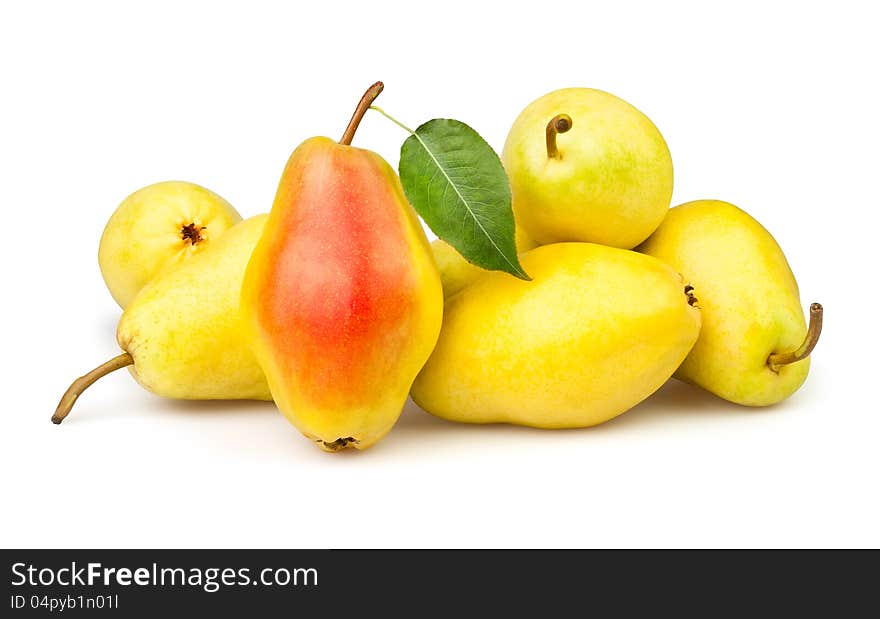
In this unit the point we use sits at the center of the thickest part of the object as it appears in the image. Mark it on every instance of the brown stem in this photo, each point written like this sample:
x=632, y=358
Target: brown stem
x=778, y=359
x=361, y=109
x=558, y=124
x=84, y=382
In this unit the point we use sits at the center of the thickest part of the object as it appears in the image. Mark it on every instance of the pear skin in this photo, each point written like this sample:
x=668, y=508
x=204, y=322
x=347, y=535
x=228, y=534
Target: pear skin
x=341, y=298
x=595, y=332
x=182, y=333
x=749, y=299
x=587, y=166
x=157, y=228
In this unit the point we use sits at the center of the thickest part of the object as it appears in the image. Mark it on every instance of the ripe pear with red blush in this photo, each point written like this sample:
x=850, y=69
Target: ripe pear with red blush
x=341, y=299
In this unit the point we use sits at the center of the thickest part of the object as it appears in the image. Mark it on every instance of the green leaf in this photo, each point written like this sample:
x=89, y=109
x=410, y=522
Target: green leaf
x=456, y=182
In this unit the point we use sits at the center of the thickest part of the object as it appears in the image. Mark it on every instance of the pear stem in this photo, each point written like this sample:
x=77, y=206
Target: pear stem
x=361, y=109
x=558, y=124
x=84, y=382
x=778, y=359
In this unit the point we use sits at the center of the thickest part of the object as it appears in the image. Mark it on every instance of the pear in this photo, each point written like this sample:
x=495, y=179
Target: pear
x=182, y=334
x=155, y=229
x=456, y=272
x=596, y=331
x=587, y=166
x=341, y=298
x=754, y=343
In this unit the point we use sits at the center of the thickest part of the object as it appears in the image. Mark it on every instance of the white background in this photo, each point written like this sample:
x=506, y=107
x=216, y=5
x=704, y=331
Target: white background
x=773, y=107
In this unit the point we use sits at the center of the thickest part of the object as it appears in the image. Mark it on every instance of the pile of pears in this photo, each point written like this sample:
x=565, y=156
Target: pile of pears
x=336, y=306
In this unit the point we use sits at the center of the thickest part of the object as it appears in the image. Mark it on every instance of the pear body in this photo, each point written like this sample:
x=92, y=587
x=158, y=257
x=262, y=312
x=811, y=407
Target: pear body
x=456, y=272
x=183, y=328
x=611, y=182
x=155, y=229
x=596, y=331
x=748, y=296
x=342, y=300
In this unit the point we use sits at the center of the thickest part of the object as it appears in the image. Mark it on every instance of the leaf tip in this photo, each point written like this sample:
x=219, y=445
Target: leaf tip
x=516, y=269
x=521, y=274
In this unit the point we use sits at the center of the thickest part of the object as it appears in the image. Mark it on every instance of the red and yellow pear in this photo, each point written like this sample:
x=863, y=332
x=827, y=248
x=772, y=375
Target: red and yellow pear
x=341, y=299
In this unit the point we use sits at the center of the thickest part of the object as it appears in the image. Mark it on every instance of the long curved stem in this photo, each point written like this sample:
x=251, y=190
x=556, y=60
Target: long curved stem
x=361, y=109
x=84, y=382
x=558, y=124
x=778, y=359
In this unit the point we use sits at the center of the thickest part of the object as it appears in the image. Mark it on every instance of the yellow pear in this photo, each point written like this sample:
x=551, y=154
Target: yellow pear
x=456, y=272
x=182, y=334
x=587, y=166
x=594, y=332
x=754, y=343
x=156, y=228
